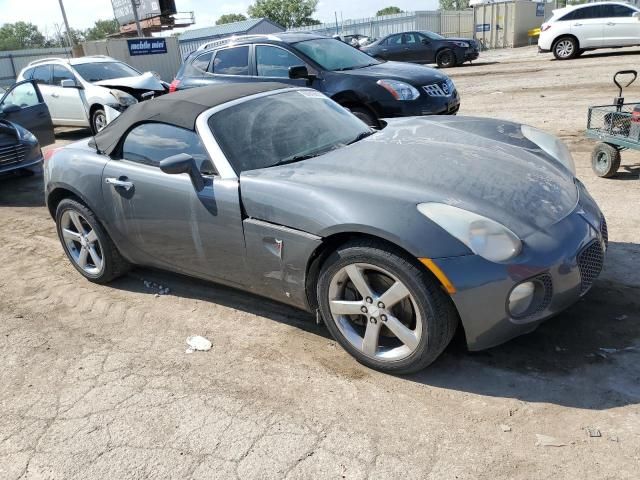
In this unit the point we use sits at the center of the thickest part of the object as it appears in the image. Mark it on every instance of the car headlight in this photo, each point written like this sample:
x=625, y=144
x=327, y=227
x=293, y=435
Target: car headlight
x=551, y=145
x=399, y=90
x=124, y=98
x=27, y=136
x=483, y=236
x=461, y=44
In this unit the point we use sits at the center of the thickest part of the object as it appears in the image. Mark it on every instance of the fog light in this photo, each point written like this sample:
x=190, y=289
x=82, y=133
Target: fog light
x=521, y=298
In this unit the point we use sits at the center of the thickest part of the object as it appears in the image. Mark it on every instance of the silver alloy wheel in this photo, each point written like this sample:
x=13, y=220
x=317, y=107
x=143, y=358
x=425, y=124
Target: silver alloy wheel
x=82, y=242
x=375, y=312
x=99, y=121
x=564, y=48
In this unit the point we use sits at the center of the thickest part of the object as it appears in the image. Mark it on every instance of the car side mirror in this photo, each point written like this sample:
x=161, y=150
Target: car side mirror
x=298, y=72
x=68, y=83
x=183, y=163
x=11, y=108
x=425, y=41
x=636, y=15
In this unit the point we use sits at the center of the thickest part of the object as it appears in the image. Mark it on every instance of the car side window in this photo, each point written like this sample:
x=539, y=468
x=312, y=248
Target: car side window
x=200, y=64
x=150, y=143
x=42, y=74
x=231, y=61
x=23, y=96
x=395, y=40
x=410, y=39
x=28, y=73
x=60, y=73
x=591, y=12
x=616, y=11
x=275, y=61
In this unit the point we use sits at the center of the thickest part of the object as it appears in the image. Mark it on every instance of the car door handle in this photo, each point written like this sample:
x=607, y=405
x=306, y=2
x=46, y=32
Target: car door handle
x=116, y=182
x=577, y=24
x=610, y=24
x=55, y=95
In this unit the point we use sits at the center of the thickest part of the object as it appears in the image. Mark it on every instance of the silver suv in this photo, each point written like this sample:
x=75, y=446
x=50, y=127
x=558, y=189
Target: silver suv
x=90, y=91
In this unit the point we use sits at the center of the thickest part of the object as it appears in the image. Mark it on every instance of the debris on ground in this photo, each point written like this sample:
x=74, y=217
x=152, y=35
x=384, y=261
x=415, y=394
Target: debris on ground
x=198, y=344
x=614, y=438
x=547, y=441
x=161, y=290
x=505, y=428
x=593, y=432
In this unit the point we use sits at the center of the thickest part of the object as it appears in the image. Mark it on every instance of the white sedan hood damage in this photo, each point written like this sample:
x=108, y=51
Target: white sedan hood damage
x=146, y=81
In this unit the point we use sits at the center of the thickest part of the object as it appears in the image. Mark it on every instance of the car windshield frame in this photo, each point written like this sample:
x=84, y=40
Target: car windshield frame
x=273, y=148
x=432, y=35
x=344, y=55
x=79, y=67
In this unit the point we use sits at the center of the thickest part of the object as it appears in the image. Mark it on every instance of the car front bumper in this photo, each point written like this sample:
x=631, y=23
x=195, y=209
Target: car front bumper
x=424, y=105
x=564, y=261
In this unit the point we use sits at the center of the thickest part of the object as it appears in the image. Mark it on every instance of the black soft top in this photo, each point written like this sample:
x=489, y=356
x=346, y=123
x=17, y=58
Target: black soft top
x=180, y=109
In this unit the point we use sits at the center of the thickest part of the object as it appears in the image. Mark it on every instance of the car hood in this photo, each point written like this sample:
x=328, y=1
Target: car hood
x=409, y=72
x=481, y=165
x=146, y=81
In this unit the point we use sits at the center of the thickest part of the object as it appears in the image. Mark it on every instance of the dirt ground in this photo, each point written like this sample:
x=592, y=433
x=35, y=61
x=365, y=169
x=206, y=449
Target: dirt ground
x=96, y=383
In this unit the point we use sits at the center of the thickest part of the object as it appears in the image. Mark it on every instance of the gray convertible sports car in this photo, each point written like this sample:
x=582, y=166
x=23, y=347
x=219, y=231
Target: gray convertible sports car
x=393, y=237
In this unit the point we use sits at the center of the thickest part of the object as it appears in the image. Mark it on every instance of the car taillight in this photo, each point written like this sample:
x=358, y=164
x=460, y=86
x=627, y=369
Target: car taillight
x=49, y=153
x=545, y=27
x=174, y=86
x=635, y=116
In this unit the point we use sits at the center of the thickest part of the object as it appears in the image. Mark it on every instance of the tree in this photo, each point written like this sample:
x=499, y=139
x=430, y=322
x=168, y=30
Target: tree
x=59, y=39
x=20, y=35
x=102, y=29
x=388, y=11
x=288, y=13
x=454, y=4
x=230, y=18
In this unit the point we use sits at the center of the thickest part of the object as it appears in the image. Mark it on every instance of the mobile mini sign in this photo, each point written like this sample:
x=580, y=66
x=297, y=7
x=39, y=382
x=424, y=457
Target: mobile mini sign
x=147, y=47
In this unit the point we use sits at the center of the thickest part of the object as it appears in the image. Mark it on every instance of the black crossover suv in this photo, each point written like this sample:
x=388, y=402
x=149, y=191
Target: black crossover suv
x=424, y=47
x=370, y=88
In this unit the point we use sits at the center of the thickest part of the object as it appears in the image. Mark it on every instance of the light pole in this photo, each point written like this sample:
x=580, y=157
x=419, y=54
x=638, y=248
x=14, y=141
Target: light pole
x=66, y=24
x=135, y=16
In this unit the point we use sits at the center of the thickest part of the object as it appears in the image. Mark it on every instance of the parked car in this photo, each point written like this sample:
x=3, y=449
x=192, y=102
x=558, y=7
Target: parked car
x=392, y=237
x=371, y=89
x=424, y=47
x=25, y=125
x=575, y=29
x=90, y=91
x=356, y=40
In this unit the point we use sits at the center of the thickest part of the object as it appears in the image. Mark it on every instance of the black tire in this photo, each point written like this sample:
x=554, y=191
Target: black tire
x=605, y=160
x=96, y=117
x=114, y=265
x=366, y=116
x=566, y=48
x=437, y=312
x=446, y=58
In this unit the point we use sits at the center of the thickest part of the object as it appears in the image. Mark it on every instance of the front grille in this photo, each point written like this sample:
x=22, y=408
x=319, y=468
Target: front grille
x=10, y=154
x=440, y=89
x=604, y=231
x=590, y=262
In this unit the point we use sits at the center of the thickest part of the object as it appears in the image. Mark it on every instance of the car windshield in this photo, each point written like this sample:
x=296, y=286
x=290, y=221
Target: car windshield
x=432, y=35
x=284, y=128
x=97, y=71
x=334, y=55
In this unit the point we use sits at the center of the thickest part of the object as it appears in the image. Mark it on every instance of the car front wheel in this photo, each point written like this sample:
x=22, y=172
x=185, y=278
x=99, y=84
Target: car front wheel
x=86, y=243
x=383, y=308
x=446, y=58
x=98, y=120
x=566, y=48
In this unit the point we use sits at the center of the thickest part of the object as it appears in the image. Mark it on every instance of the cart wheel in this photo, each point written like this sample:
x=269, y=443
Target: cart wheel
x=605, y=160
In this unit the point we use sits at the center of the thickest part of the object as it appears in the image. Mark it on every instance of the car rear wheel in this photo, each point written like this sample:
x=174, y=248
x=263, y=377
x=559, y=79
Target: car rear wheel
x=86, y=243
x=566, y=48
x=385, y=310
x=446, y=58
x=605, y=160
x=366, y=116
x=98, y=120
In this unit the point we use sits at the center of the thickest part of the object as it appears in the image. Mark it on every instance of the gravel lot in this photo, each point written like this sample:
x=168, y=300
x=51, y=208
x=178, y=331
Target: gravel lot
x=96, y=382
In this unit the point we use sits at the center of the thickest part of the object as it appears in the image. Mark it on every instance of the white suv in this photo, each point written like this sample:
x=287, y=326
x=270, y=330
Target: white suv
x=90, y=91
x=572, y=30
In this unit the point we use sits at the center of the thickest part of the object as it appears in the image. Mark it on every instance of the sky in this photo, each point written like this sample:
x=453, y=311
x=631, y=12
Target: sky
x=83, y=13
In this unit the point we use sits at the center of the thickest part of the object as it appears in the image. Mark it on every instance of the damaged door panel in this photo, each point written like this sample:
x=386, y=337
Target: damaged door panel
x=277, y=257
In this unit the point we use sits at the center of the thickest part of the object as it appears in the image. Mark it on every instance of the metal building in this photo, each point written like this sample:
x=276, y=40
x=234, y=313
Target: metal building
x=192, y=39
